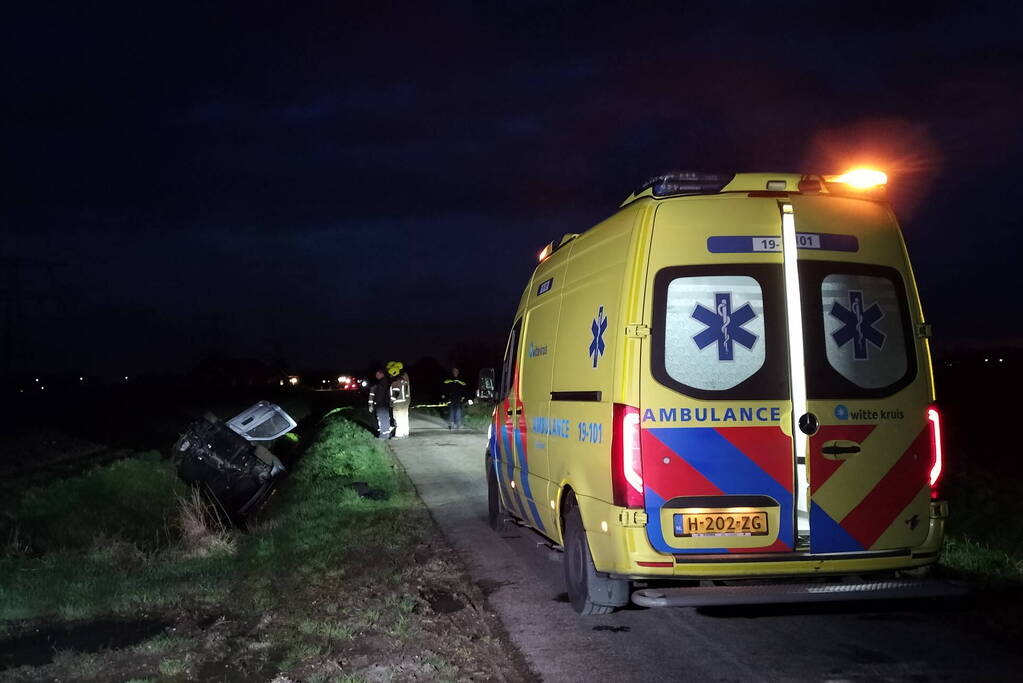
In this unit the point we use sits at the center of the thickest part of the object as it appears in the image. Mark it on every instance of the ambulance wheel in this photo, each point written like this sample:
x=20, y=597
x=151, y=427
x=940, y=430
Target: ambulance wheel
x=495, y=511
x=588, y=592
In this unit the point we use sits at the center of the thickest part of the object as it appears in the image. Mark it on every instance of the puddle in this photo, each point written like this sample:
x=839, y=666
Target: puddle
x=38, y=647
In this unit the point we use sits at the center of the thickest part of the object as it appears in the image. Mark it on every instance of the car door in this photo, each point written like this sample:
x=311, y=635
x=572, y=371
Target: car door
x=511, y=457
x=719, y=468
x=870, y=459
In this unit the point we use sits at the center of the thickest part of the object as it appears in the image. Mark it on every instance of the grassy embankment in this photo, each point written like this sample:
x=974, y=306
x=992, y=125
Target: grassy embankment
x=331, y=585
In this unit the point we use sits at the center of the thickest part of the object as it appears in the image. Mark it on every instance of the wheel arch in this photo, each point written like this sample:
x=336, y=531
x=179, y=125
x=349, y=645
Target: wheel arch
x=566, y=502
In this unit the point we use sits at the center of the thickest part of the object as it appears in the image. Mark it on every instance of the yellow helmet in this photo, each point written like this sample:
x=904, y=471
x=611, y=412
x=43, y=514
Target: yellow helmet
x=394, y=367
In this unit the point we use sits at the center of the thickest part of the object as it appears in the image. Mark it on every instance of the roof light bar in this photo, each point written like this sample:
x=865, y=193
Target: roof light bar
x=686, y=182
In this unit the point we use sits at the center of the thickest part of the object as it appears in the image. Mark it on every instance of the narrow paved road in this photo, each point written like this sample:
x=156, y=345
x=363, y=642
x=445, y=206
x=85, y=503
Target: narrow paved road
x=855, y=642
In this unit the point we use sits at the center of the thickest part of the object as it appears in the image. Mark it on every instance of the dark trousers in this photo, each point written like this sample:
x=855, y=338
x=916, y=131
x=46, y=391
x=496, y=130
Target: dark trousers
x=384, y=422
x=455, y=414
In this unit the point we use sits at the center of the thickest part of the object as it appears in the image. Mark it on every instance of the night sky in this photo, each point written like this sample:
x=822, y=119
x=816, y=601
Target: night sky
x=332, y=185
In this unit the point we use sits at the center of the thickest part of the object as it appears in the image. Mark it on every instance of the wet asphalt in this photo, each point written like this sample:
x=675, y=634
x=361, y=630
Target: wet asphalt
x=889, y=641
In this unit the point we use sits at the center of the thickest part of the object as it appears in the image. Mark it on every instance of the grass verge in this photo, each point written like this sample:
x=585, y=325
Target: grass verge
x=331, y=585
x=476, y=416
x=981, y=542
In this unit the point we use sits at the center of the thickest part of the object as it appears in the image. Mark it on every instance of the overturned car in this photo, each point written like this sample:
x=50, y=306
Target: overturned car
x=226, y=460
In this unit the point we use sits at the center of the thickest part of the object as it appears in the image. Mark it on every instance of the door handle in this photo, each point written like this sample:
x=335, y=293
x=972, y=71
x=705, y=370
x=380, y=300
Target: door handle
x=839, y=450
x=809, y=424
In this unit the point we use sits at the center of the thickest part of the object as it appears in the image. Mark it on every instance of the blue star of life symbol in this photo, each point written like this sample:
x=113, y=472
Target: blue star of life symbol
x=597, y=328
x=724, y=326
x=858, y=325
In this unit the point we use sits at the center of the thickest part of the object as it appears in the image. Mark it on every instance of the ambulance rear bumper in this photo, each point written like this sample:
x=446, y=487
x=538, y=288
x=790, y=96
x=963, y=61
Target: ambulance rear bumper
x=780, y=593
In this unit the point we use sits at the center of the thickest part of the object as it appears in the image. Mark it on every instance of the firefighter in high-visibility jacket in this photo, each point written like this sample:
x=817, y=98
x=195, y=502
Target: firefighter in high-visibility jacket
x=401, y=397
x=454, y=391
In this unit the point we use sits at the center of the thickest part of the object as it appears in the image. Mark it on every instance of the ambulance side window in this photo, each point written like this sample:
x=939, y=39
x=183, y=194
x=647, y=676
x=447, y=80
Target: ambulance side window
x=859, y=341
x=717, y=331
x=508, y=366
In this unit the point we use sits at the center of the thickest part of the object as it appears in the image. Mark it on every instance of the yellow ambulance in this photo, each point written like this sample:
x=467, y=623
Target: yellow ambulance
x=723, y=393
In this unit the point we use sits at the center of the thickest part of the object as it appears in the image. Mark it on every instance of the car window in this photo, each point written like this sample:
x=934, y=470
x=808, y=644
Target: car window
x=857, y=329
x=862, y=325
x=508, y=366
x=716, y=331
x=263, y=421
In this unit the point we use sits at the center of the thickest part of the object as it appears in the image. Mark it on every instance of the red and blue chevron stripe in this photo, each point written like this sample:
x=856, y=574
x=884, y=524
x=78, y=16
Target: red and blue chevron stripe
x=707, y=461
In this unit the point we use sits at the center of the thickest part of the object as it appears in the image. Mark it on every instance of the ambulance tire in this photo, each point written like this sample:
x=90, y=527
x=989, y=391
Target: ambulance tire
x=588, y=592
x=495, y=511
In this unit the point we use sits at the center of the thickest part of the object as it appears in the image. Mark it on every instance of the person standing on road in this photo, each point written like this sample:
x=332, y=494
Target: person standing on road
x=380, y=404
x=454, y=391
x=401, y=397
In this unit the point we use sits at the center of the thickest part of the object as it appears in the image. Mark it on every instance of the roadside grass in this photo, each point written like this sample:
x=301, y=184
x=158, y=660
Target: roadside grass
x=984, y=542
x=476, y=416
x=328, y=585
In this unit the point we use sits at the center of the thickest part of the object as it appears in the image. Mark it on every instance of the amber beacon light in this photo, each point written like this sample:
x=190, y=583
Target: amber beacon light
x=862, y=178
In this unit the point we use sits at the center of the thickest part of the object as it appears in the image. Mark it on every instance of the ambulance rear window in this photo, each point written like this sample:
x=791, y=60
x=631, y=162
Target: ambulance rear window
x=718, y=331
x=857, y=330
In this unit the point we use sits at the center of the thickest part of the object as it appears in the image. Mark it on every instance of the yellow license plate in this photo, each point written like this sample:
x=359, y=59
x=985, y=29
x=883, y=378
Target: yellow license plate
x=723, y=523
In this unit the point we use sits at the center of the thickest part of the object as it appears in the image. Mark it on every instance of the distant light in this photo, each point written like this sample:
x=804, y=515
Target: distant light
x=293, y=380
x=126, y=378
x=37, y=379
x=282, y=382
x=1001, y=360
x=986, y=360
x=861, y=177
x=470, y=401
x=43, y=388
x=81, y=379
x=364, y=383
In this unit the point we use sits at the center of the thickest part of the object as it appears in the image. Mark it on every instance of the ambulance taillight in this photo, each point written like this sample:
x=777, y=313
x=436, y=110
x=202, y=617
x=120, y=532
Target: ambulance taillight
x=934, y=419
x=626, y=458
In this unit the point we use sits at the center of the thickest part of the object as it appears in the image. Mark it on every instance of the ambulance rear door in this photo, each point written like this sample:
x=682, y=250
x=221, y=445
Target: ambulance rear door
x=867, y=382
x=718, y=466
